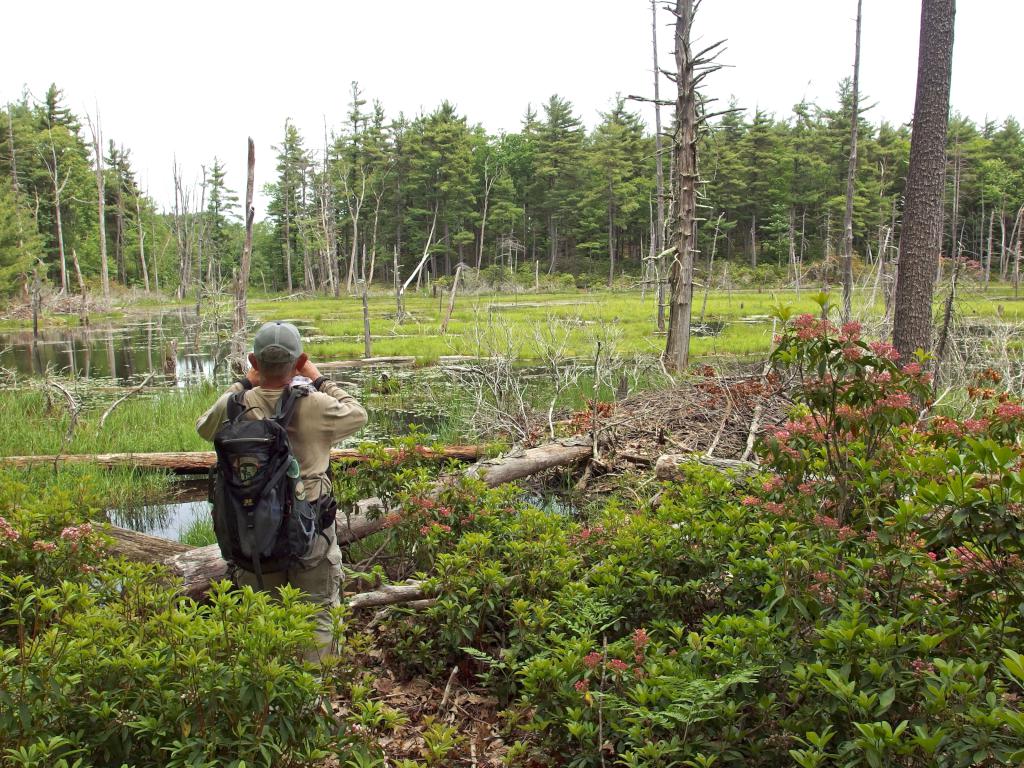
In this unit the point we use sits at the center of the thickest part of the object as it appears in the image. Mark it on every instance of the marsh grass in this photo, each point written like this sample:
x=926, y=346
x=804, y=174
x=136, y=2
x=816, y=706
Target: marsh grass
x=150, y=422
x=199, y=533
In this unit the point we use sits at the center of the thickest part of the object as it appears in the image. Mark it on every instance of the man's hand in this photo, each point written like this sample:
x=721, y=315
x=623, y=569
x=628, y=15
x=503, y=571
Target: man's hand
x=309, y=370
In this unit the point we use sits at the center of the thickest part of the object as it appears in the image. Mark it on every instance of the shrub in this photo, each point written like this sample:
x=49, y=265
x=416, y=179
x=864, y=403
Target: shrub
x=858, y=604
x=102, y=664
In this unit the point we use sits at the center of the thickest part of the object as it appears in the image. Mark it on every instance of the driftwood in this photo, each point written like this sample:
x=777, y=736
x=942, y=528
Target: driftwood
x=193, y=462
x=199, y=566
x=668, y=466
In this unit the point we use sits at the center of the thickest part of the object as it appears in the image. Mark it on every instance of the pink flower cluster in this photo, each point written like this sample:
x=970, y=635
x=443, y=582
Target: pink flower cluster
x=43, y=546
x=975, y=562
x=896, y=400
x=884, y=350
x=1008, y=411
x=7, y=532
x=435, y=528
x=852, y=353
x=808, y=327
x=592, y=659
x=844, y=532
x=76, y=532
x=820, y=588
x=850, y=331
x=640, y=639
x=582, y=686
x=921, y=667
x=773, y=483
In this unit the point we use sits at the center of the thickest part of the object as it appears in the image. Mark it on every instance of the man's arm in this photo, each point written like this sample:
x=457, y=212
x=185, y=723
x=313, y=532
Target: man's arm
x=208, y=423
x=342, y=417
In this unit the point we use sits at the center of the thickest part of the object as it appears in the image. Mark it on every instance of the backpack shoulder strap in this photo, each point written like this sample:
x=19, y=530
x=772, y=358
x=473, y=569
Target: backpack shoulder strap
x=286, y=405
x=236, y=405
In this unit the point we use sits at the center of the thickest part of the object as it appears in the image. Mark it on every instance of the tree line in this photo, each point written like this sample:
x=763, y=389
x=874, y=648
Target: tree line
x=381, y=195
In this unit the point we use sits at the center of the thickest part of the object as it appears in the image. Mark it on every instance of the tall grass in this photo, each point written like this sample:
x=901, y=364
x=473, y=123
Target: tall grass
x=158, y=421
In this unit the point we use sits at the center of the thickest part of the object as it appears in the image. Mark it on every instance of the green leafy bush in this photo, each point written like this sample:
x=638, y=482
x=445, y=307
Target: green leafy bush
x=101, y=663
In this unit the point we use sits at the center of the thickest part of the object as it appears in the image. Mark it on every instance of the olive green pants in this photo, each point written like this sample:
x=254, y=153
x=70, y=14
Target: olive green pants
x=319, y=578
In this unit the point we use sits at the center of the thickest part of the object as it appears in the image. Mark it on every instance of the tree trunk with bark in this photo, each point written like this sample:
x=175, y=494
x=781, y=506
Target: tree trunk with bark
x=921, y=237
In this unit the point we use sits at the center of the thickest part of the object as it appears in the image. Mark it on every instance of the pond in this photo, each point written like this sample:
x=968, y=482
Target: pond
x=179, y=347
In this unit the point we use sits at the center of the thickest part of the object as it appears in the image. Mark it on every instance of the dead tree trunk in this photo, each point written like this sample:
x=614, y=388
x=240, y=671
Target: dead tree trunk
x=851, y=176
x=367, y=342
x=659, y=173
x=684, y=179
x=58, y=190
x=97, y=148
x=451, y=299
x=921, y=237
x=242, y=284
x=142, y=244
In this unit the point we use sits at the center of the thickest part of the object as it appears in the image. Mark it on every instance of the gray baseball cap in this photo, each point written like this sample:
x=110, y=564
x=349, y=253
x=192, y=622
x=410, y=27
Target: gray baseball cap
x=277, y=342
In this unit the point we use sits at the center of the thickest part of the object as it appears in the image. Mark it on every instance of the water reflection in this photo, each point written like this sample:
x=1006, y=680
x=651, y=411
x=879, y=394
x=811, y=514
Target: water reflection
x=167, y=521
x=178, y=346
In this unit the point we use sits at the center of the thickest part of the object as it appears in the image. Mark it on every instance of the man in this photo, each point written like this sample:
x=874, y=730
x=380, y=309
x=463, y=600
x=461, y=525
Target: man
x=322, y=418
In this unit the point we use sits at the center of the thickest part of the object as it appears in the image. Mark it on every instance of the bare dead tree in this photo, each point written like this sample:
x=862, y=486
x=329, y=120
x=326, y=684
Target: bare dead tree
x=451, y=298
x=183, y=232
x=97, y=148
x=690, y=71
x=659, y=173
x=419, y=267
x=367, y=346
x=851, y=176
x=57, y=185
x=242, y=282
x=142, y=244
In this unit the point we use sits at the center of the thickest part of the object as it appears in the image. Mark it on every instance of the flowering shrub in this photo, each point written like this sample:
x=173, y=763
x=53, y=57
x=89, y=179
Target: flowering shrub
x=857, y=604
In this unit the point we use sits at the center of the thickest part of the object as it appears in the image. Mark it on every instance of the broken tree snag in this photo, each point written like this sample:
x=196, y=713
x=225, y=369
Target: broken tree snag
x=195, y=462
x=669, y=466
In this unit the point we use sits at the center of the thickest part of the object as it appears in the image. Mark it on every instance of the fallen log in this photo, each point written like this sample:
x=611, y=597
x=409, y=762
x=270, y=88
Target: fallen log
x=669, y=465
x=199, y=566
x=195, y=462
x=493, y=472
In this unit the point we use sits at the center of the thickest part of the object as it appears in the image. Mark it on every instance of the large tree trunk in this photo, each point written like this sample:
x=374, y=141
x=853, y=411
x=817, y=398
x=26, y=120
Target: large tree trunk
x=851, y=176
x=684, y=178
x=921, y=237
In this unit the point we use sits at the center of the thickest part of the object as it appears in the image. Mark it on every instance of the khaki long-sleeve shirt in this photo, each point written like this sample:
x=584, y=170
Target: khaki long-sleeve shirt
x=321, y=419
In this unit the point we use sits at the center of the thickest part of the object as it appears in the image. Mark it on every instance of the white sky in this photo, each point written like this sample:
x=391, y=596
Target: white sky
x=196, y=78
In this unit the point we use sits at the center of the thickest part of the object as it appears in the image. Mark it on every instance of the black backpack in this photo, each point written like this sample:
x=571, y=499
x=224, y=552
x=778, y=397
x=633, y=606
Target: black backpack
x=261, y=516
